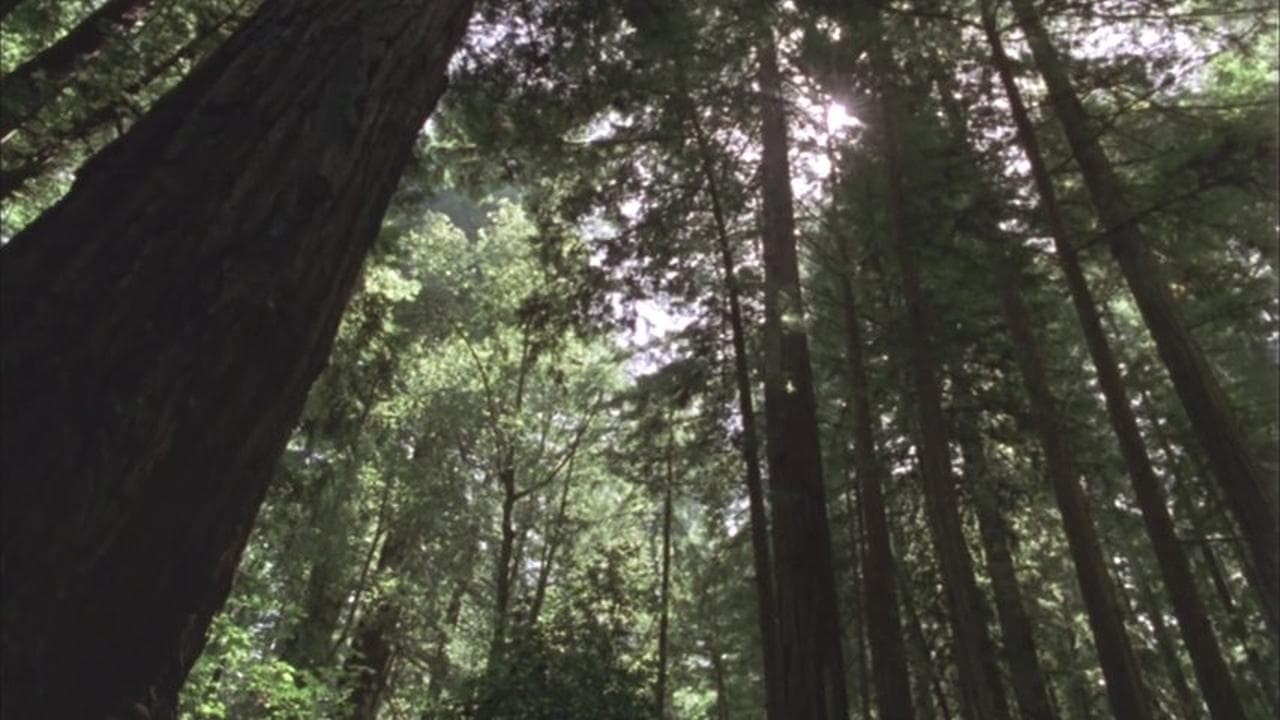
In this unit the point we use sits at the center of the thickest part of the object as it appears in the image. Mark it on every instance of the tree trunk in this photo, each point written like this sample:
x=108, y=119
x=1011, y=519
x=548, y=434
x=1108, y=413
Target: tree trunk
x=552, y=542
x=1175, y=569
x=1250, y=493
x=1029, y=687
x=438, y=666
x=369, y=665
x=1125, y=690
x=981, y=694
x=888, y=655
x=1188, y=707
x=27, y=166
x=766, y=606
x=503, y=563
x=811, y=659
x=161, y=326
x=858, y=611
x=39, y=80
x=664, y=601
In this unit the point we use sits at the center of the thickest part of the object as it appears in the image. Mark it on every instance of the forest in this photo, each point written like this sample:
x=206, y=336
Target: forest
x=640, y=360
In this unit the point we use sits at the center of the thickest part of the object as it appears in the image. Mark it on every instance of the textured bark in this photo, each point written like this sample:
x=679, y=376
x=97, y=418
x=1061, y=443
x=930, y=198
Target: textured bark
x=982, y=697
x=161, y=326
x=1030, y=690
x=761, y=555
x=888, y=655
x=1250, y=492
x=1193, y=619
x=810, y=655
x=39, y=80
x=1125, y=690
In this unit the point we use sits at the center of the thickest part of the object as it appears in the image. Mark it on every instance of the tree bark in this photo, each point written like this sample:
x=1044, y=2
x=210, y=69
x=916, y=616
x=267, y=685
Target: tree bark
x=161, y=326
x=1175, y=569
x=1250, y=492
x=1030, y=690
x=982, y=697
x=761, y=555
x=39, y=80
x=888, y=655
x=812, y=663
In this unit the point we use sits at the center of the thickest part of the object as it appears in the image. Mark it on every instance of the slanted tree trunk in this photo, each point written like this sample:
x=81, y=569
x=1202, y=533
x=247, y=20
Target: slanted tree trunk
x=981, y=693
x=1250, y=493
x=1175, y=569
x=810, y=654
x=761, y=555
x=1030, y=690
x=1125, y=690
x=161, y=325
x=888, y=655
x=39, y=80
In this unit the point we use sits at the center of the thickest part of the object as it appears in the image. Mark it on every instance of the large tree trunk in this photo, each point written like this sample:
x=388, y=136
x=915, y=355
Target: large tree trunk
x=982, y=696
x=1030, y=690
x=1250, y=492
x=161, y=326
x=1193, y=619
x=811, y=658
x=888, y=655
x=761, y=555
x=36, y=82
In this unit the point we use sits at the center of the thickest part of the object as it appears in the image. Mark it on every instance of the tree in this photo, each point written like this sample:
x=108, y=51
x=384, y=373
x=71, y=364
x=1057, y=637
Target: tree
x=809, y=628
x=161, y=326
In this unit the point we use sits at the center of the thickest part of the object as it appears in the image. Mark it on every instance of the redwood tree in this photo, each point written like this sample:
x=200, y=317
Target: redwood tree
x=161, y=326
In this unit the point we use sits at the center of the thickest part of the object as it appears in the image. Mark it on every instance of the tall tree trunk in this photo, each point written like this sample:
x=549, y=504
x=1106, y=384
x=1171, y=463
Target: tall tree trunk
x=1189, y=707
x=981, y=693
x=929, y=685
x=1029, y=687
x=888, y=655
x=161, y=325
x=438, y=666
x=1193, y=619
x=39, y=80
x=858, y=611
x=552, y=540
x=811, y=659
x=1125, y=690
x=664, y=598
x=1250, y=493
x=23, y=168
x=761, y=556
x=369, y=665
x=503, y=563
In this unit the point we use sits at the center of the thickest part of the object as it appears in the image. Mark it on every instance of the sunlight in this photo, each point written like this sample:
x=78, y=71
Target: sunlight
x=838, y=118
